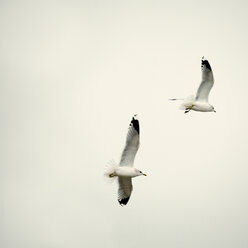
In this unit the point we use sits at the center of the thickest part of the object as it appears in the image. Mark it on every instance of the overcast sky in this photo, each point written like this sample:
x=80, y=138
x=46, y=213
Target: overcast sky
x=72, y=75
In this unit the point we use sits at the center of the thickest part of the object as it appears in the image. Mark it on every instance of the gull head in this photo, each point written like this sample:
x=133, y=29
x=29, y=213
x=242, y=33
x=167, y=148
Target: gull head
x=212, y=109
x=139, y=173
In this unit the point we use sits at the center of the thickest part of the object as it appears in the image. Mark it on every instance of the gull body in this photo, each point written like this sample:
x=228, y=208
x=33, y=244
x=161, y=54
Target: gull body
x=198, y=106
x=126, y=172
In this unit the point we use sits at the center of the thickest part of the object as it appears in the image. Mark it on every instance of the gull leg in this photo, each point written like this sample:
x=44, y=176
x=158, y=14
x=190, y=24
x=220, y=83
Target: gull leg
x=188, y=109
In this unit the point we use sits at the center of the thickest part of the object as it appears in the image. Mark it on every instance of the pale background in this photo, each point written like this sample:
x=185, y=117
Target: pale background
x=73, y=73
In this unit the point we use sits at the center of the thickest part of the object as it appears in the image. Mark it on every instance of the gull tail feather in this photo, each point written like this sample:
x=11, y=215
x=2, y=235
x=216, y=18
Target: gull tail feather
x=187, y=102
x=109, y=172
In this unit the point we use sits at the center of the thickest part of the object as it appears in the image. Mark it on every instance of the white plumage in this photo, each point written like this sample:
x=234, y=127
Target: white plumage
x=200, y=102
x=125, y=171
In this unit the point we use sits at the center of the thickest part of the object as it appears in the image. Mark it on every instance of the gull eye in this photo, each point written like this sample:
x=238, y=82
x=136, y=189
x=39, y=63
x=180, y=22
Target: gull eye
x=140, y=171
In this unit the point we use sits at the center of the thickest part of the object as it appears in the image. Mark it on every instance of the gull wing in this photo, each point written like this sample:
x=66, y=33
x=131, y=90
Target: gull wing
x=132, y=143
x=207, y=82
x=125, y=190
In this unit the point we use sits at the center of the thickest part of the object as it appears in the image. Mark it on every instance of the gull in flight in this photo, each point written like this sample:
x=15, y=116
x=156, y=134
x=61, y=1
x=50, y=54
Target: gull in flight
x=200, y=102
x=125, y=171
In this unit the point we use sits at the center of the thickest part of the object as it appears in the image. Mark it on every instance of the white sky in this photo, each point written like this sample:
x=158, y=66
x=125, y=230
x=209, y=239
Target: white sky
x=73, y=73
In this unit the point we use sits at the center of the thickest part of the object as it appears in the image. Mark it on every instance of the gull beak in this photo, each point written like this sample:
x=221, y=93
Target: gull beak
x=144, y=174
x=214, y=111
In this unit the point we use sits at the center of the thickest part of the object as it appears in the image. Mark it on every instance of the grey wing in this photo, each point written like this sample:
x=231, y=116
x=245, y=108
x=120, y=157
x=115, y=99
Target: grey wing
x=207, y=82
x=125, y=190
x=132, y=143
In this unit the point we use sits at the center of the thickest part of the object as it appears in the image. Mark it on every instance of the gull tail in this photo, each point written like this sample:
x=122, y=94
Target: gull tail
x=109, y=172
x=187, y=102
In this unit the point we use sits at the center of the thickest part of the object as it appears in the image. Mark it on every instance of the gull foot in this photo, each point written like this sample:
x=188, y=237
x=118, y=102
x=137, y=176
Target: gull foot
x=188, y=109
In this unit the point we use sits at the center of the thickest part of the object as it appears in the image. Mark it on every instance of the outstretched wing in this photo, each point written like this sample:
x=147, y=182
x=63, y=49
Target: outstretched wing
x=132, y=143
x=125, y=190
x=207, y=82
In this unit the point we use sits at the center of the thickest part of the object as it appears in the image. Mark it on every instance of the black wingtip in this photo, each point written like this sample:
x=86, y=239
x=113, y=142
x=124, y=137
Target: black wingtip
x=135, y=123
x=206, y=63
x=123, y=201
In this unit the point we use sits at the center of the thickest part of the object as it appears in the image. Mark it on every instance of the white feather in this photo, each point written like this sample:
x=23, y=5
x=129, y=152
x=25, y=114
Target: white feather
x=187, y=102
x=110, y=169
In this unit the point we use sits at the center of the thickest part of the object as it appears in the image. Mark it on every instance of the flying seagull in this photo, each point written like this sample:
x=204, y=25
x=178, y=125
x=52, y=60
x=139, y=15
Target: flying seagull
x=125, y=171
x=200, y=102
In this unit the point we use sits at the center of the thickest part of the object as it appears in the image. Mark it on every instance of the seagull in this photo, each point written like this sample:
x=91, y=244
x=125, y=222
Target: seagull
x=124, y=172
x=200, y=102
